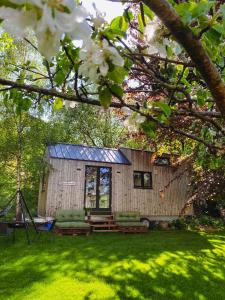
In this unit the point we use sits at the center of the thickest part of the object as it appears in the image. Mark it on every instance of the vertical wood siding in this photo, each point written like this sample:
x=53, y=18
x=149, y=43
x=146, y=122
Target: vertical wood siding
x=66, y=183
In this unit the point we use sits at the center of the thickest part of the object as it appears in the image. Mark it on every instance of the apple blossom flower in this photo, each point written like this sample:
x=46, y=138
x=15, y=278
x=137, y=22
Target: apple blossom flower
x=49, y=19
x=134, y=121
x=112, y=54
x=140, y=119
x=70, y=104
x=99, y=19
x=126, y=110
x=95, y=57
x=17, y=22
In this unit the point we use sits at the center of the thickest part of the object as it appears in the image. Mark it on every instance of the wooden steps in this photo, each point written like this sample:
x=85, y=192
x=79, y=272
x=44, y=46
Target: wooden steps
x=104, y=230
x=106, y=223
x=102, y=223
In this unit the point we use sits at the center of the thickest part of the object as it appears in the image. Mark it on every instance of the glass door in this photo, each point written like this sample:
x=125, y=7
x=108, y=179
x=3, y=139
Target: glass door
x=98, y=188
x=90, y=187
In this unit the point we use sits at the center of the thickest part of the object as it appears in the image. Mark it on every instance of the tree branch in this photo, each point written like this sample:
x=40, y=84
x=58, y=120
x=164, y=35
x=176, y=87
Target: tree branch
x=172, y=61
x=194, y=48
x=54, y=93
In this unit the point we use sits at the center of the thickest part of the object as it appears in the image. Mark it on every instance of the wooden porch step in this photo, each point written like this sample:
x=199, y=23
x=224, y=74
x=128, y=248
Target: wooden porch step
x=104, y=230
x=99, y=213
x=103, y=225
x=101, y=221
x=101, y=217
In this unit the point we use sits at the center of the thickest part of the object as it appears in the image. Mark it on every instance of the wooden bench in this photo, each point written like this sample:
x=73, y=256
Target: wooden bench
x=71, y=222
x=71, y=231
x=129, y=222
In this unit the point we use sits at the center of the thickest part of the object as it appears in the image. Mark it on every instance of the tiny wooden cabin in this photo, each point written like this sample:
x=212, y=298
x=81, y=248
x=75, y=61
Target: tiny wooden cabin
x=109, y=180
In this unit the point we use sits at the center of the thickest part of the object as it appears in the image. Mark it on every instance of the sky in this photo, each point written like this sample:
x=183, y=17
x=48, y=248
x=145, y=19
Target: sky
x=112, y=9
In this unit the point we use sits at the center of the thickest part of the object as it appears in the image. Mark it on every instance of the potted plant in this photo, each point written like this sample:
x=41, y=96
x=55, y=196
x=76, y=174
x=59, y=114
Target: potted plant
x=87, y=212
x=221, y=207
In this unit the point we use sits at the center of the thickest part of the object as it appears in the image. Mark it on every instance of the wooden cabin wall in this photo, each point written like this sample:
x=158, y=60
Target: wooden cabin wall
x=42, y=199
x=148, y=201
x=66, y=184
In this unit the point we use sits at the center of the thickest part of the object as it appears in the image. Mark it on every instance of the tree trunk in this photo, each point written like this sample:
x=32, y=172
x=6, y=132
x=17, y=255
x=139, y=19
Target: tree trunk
x=18, y=187
x=194, y=48
x=18, y=170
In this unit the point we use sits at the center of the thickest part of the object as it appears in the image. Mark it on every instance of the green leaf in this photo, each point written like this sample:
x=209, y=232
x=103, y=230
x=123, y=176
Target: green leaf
x=148, y=12
x=118, y=74
x=164, y=107
x=119, y=23
x=142, y=20
x=105, y=97
x=149, y=127
x=26, y=104
x=9, y=4
x=201, y=97
x=117, y=90
x=128, y=15
x=201, y=8
x=113, y=33
x=183, y=9
x=169, y=51
x=213, y=35
x=142, y=14
x=58, y=103
x=59, y=77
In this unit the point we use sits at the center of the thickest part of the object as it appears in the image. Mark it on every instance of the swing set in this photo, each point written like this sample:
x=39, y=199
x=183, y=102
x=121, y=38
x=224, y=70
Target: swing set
x=10, y=226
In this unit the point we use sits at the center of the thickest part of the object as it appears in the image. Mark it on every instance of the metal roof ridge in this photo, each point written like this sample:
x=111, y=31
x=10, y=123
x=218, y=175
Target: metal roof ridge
x=149, y=151
x=117, y=149
x=86, y=146
x=87, y=153
x=121, y=152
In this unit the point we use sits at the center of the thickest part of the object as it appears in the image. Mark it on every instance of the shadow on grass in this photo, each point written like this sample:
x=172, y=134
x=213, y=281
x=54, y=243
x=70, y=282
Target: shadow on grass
x=160, y=265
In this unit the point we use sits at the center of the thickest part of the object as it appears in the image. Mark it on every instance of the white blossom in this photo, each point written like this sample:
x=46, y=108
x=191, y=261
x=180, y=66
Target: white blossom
x=134, y=121
x=95, y=57
x=99, y=19
x=174, y=45
x=126, y=110
x=132, y=128
x=157, y=44
x=140, y=119
x=50, y=20
x=112, y=54
x=150, y=30
x=69, y=104
x=17, y=22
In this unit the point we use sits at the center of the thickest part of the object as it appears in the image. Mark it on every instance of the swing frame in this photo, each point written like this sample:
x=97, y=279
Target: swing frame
x=15, y=224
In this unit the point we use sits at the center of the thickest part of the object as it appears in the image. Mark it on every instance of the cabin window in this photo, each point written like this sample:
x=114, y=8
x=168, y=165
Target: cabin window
x=43, y=183
x=142, y=180
x=162, y=161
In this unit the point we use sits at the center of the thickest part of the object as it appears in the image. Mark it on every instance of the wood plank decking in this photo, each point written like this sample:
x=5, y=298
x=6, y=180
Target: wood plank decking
x=102, y=223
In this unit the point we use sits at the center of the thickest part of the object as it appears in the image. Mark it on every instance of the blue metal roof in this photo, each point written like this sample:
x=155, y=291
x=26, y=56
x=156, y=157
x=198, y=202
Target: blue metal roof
x=86, y=153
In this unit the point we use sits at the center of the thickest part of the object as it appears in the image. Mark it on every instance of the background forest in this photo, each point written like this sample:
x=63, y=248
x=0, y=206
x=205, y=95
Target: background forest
x=30, y=121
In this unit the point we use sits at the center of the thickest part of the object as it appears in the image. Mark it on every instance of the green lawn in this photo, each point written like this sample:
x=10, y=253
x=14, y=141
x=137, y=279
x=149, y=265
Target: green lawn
x=159, y=265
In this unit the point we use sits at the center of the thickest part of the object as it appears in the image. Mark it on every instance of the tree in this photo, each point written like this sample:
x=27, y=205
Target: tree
x=92, y=126
x=190, y=29
x=192, y=43
x=166, y=74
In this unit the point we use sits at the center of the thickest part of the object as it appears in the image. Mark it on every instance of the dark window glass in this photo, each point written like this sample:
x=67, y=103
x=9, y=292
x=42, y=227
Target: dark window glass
x=97, y=187
x=44, y=183
x=142, y=180
x=147, y=180
x=137, y=179
x=162, y=161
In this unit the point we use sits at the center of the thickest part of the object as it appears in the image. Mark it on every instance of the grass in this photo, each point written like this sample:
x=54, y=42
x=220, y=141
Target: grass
x=159, y=265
